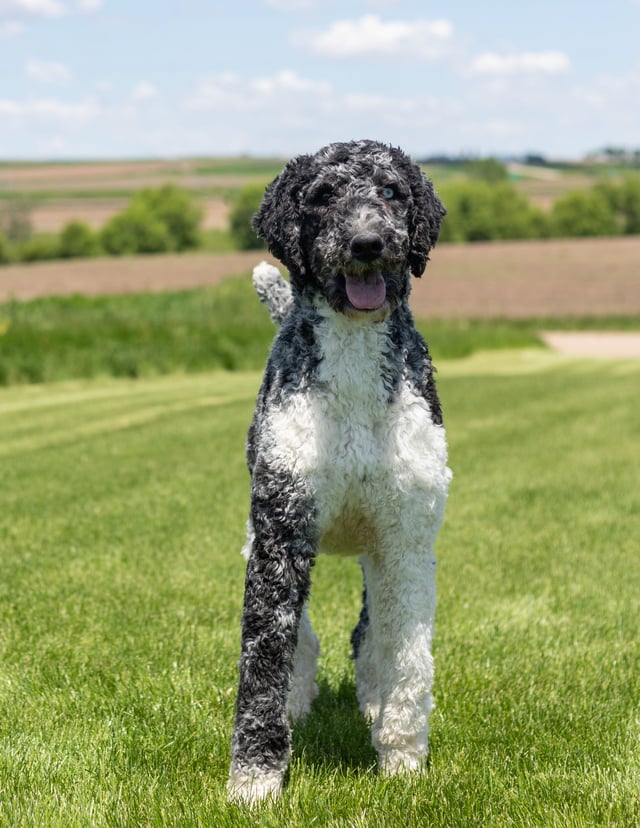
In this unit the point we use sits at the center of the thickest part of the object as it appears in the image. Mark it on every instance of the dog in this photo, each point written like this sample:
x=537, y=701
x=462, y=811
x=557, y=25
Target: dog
x=347, y=452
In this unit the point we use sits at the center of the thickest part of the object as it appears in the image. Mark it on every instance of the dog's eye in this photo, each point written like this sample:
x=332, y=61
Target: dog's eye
x=321, y=195
x=389, y=193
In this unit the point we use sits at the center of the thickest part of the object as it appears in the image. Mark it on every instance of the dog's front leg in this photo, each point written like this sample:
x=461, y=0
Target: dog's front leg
x=277, y=585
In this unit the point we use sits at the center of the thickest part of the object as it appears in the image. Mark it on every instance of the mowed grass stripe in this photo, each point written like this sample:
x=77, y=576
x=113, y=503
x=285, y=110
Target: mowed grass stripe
x=122, y=587
x=31, y=420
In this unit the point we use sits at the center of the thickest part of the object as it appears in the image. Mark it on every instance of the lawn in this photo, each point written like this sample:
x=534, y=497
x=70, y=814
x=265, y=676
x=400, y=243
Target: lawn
x=122, y=513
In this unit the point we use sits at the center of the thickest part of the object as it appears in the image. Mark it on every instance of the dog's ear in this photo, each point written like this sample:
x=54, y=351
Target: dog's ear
x=278, y=219
x=424, y=220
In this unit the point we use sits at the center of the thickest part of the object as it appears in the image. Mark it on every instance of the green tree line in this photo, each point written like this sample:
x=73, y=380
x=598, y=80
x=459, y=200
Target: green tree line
x=157, y=220
x=485, y=206
x=488, y=207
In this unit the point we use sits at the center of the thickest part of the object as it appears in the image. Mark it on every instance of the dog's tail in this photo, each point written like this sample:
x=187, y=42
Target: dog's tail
x=273, y=290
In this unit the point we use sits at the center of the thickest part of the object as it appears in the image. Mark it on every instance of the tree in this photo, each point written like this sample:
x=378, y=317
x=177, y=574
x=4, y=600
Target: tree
x=77, y=240
x=479, y=211
x=630, y=204
x=5, y=256
x=135, y=230
x=487, y=169
x=245, y=205
x=584, y=213
x=176, y=209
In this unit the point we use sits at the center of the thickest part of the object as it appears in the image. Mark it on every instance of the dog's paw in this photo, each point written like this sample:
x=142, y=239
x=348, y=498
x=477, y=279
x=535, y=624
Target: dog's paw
x=252, y=786
x=301, y=697
x=392, y=761
x=369, y=709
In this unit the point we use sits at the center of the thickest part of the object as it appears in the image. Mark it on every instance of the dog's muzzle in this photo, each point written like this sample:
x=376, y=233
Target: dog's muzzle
x=366, y=289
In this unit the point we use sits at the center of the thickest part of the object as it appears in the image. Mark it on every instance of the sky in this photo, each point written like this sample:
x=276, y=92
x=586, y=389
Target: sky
x=90, y=79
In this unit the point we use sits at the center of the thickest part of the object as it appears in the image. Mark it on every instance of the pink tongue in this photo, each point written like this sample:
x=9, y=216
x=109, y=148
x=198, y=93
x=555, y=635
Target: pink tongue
x=366, y=294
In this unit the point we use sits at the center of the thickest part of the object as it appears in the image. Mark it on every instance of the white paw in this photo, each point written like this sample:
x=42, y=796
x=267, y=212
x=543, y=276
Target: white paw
x=251, y=786
x=370, y=710
x=300, y=700
x=394, y=761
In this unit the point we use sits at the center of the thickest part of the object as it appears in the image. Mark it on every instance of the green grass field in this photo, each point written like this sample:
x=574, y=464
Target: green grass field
x=122, y=513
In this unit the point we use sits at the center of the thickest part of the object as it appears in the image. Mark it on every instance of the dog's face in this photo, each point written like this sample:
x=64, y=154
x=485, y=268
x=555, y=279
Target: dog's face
x=350, y=223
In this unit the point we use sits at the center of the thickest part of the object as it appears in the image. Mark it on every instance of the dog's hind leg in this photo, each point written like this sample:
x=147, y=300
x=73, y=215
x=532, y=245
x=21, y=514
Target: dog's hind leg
x=305, y=665
x=364, y=655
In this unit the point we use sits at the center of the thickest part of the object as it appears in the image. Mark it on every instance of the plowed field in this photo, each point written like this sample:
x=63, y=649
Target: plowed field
x=592, y=277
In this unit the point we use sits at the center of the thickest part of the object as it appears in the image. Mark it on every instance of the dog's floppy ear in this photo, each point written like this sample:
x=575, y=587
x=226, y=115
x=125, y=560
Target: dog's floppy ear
x=424, y=220
x=278, y=219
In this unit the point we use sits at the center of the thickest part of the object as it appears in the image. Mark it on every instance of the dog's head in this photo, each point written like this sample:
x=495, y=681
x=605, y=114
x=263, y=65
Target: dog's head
x=350, y=223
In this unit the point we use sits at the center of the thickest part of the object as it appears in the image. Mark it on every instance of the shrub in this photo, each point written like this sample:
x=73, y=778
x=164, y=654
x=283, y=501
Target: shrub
x=135, y=229
x=479, y=211
x=15, y=220
x=77, y=240
x=38, y=249
x=630, y=205
x=176, y=209
x=487, y=169
x=5, y=253
x=584, y=213
x=245, y=205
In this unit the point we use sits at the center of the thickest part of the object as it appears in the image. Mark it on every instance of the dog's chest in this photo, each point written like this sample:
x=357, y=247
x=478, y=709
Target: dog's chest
x=360, y=434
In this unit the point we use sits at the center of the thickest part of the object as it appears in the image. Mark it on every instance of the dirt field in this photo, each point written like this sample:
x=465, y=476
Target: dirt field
x=592, y=277
x=51, y=216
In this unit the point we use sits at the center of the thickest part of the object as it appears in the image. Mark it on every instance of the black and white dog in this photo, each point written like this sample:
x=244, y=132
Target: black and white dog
x=347, y=453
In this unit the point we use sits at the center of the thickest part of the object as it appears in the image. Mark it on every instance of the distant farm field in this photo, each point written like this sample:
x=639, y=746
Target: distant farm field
x=563, y=277
x=94, y=191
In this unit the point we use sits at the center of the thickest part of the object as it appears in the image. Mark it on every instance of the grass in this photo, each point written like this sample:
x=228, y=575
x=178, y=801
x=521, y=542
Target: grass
x=121, y=518
x=223, y=327
x=146, y=334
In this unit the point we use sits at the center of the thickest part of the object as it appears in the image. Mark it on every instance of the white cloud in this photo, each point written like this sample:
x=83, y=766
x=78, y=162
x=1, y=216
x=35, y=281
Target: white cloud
x=23, y=9
x=49, y=109
x=47, y=72
x=14, y=12
x=143, y=91
x=11, y=28
x=230, y=91
x=515, y=63
x=369, y=36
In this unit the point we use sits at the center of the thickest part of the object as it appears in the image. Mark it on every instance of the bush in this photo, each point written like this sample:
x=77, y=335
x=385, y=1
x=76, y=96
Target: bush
x=245, y=205
x=77, y=240
x=39, y=249
x=135, y=230
x=15, y=220
x=479, y=211
x=584, y=213
x=5, y=253
x=176, y=209
x=487, y=169
x=630, y=205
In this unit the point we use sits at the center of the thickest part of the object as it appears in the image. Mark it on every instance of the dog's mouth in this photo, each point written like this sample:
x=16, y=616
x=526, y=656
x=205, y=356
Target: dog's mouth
x=366, y=292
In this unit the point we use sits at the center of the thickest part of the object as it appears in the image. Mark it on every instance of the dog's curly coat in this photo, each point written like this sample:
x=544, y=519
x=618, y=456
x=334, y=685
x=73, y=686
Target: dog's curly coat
x=346, y=451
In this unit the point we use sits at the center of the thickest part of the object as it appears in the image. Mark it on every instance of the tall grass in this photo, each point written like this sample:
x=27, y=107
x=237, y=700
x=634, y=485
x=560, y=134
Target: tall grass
x=121, y=517
x=224, y=327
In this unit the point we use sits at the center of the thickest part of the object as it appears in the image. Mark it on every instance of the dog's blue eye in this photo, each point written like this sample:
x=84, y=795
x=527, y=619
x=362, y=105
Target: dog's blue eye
x=388, y=193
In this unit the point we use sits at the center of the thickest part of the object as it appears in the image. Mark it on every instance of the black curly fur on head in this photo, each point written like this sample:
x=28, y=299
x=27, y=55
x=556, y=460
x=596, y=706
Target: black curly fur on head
x=289, y=218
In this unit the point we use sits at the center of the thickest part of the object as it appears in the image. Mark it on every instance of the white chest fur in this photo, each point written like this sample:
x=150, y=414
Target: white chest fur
x=366, y=457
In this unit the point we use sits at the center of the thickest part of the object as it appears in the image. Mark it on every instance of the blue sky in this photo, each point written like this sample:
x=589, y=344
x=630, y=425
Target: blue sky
x=113, y=79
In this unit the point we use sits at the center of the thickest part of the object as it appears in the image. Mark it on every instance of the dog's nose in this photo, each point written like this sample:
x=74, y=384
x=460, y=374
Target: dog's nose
x=366, y=246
